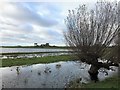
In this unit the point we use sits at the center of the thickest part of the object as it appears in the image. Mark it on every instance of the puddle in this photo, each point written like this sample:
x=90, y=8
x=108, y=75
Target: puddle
x=53, y=75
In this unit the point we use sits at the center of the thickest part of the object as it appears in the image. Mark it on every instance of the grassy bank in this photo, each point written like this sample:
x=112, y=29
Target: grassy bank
x=29, y=61
x=112, y=83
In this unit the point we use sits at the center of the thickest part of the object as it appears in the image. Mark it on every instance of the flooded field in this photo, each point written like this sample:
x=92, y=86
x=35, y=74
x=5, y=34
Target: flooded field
x=18, y=50
x=52, y=75
x=14, y=56
x=7, y=53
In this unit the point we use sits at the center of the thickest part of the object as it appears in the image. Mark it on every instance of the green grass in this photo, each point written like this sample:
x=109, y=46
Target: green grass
x=107, y=83
x=29, y=61
x=111, y=83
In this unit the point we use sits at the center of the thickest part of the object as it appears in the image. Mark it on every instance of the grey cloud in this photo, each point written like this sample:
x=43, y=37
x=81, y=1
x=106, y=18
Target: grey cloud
x=25, y=14
x=26, y=28
x=25, y=32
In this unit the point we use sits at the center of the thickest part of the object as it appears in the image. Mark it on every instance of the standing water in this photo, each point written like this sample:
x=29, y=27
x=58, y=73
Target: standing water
x=30, y=52
x=53, y=75
x=25, y=50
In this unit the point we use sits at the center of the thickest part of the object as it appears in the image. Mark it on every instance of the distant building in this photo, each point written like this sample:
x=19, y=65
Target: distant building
x=35, y=44
x=42, y=45
x=47, y=44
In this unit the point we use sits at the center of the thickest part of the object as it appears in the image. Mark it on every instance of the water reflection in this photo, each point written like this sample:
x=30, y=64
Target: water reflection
x=14, y=50
x=39, y=73
x=18, y=70
x=53, y=75
x=26, y=81
x=58, y=66
x=47, y=70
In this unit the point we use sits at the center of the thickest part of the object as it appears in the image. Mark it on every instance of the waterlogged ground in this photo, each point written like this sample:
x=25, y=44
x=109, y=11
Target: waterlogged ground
x=53, y=75
x=18, y=50
x=31, y=55
x=30, y=52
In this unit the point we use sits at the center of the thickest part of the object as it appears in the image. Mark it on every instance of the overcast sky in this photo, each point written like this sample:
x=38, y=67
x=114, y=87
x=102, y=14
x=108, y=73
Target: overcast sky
x=25, y=23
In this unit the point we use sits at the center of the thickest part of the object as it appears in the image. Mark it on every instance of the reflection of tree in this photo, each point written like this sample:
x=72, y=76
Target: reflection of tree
x=46, y=73
x=18, y=70
x=90, y=34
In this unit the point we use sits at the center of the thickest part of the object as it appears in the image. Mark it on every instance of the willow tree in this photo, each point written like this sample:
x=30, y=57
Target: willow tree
x=91, y=33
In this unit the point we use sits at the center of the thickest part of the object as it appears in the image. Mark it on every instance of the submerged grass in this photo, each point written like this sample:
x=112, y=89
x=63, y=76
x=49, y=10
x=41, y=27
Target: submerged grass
x=29, y=61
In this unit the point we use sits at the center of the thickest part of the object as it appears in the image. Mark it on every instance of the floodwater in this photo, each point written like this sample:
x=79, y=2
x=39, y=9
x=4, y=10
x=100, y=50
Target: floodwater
x=52, y=75
x=31, y=55
x=16, y=50
x=46, y=52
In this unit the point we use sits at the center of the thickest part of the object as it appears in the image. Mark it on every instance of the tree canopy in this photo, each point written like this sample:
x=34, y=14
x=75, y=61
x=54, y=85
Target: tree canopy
x=92, y=32
x=93, y=35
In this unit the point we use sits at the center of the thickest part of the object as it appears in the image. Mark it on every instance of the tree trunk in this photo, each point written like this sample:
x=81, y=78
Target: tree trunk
x=93, y=72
